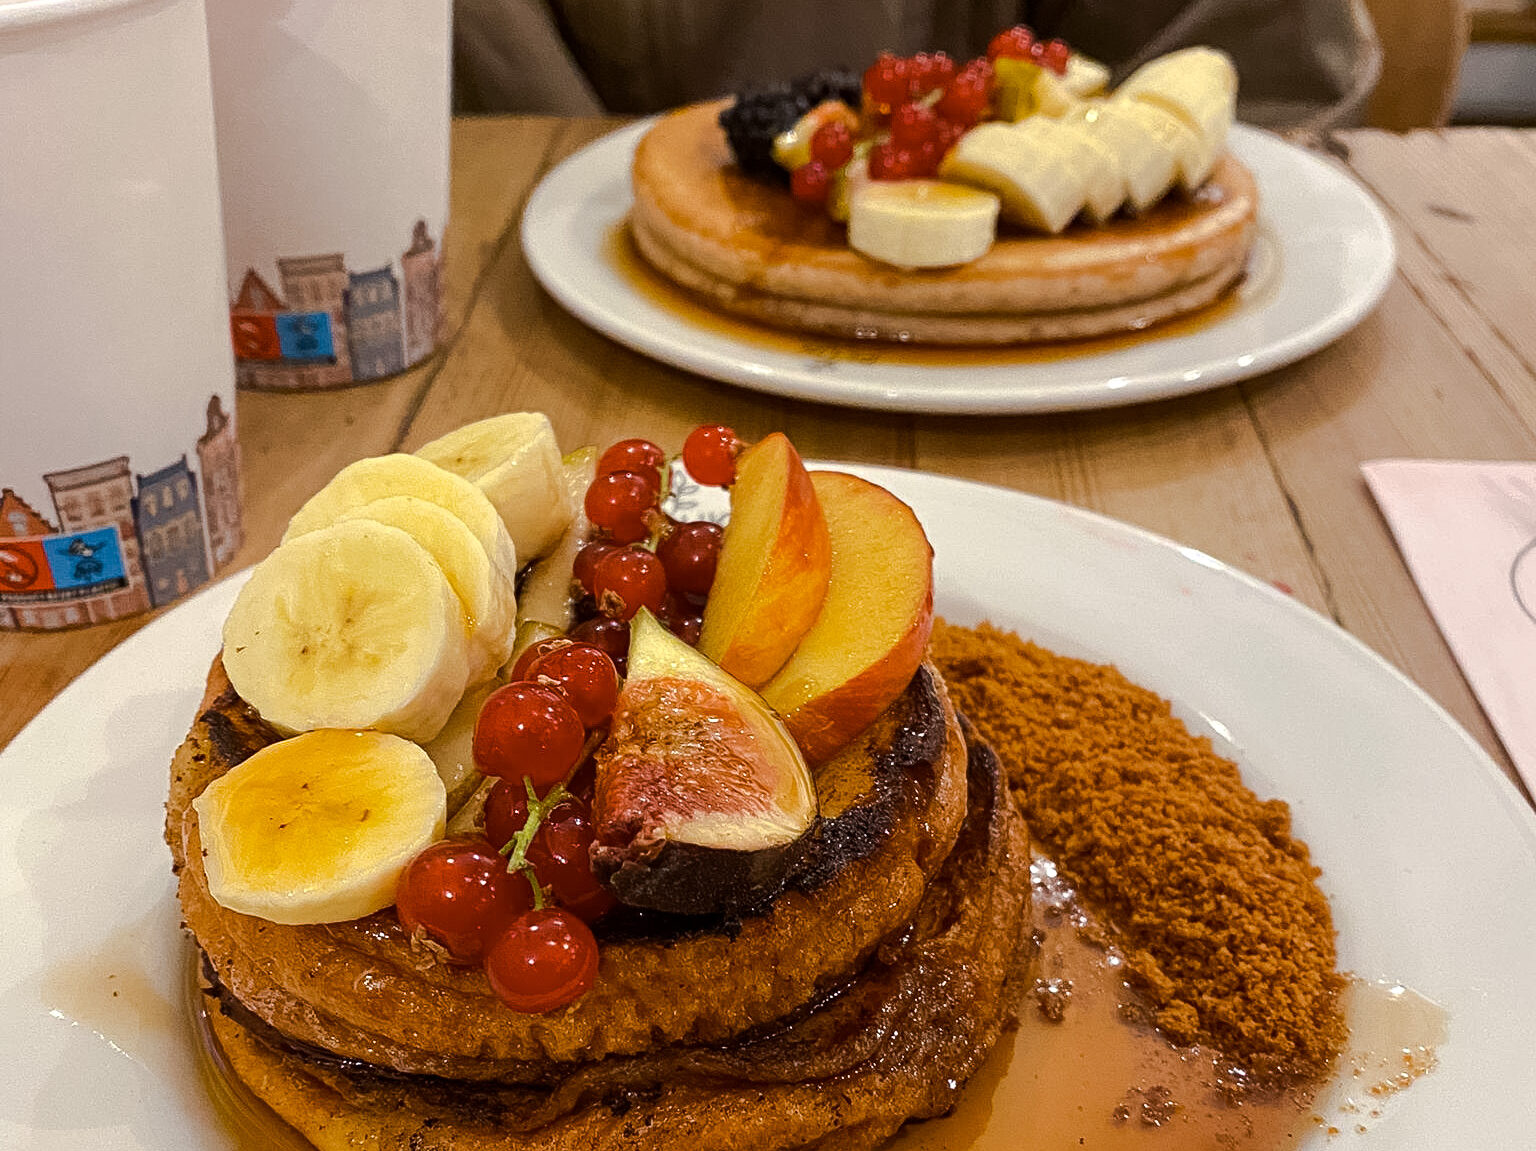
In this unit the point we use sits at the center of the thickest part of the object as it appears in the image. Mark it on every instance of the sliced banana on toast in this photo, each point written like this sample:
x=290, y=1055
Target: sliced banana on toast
x=318, y=828
x=349, y=626
x=515, y=461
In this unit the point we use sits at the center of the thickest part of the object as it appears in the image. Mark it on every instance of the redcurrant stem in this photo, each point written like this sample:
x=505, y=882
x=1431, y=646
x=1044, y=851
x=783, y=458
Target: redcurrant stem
x=516, y=849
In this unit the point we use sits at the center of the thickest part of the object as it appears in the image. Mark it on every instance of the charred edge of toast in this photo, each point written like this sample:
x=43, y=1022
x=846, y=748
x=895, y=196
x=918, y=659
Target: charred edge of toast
x=903, y=766
x=852, y=1018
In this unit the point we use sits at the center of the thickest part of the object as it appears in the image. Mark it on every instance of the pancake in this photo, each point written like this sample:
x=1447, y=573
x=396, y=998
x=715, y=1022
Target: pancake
x=896, y=1041
x=362, y=990
x=749, y=249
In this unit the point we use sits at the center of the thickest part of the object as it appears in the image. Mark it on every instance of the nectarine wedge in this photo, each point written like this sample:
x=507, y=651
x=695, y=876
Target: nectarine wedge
x=775, y=561
x=873, y=628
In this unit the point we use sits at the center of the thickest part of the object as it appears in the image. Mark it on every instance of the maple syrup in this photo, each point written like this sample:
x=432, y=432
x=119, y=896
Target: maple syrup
x=1254, y=289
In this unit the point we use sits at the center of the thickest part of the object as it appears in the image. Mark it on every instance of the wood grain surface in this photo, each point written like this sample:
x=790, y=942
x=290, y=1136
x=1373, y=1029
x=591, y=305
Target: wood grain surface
x=1263, y=475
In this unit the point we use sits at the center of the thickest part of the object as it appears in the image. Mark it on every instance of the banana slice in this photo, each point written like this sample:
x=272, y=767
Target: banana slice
x=1038, y=167
x=488, y=596
x=1085, y=76
x=845, y=181
x=1024, y=88
x=1106, y=181
x=921, y=223
x=1197, y=85
x=1143, y=145
x=452, y=752
x=547, y=606
x=1192, y=160
x=515, y=461
x=379, y=477
x=318, y=828
x=354, y=626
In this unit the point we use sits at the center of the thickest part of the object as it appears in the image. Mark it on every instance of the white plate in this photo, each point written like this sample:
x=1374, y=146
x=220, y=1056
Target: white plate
x=1324, y=257
x=1429, y=854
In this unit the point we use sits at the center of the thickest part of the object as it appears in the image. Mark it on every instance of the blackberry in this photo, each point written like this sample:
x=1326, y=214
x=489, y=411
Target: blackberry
x=759, y=115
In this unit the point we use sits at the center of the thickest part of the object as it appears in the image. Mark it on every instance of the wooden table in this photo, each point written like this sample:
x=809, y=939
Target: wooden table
x=1263, y=475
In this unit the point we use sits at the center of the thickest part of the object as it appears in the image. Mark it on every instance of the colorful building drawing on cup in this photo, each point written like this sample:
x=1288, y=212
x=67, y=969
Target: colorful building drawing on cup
x=331, y=326
x=121, y=543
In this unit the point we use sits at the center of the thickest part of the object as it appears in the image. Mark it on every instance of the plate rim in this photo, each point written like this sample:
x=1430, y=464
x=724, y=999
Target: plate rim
x=721, y=358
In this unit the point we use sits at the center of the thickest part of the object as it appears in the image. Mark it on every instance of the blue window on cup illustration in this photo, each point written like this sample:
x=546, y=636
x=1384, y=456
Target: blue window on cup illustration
x=85, y=558
x=305, y=335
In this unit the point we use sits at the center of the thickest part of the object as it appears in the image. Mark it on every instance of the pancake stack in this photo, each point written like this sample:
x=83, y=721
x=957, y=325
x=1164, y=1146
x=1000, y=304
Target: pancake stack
x=747, y=248
x=860, y=998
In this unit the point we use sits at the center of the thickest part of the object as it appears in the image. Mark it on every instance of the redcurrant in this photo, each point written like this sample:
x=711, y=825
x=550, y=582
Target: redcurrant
x=545, y=960
x=527, y=730
x=628, y=579
x=709, y=454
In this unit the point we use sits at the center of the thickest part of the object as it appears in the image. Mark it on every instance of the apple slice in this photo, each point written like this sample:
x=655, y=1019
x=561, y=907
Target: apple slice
x=774, y=564
x=873, y=629
x=703, y=802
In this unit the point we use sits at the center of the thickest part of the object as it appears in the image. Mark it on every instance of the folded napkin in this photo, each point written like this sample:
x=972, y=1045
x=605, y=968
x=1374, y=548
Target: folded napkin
x=1468, y=532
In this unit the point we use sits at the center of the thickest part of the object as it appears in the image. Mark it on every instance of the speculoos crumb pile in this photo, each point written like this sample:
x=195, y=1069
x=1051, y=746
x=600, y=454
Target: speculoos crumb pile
x=1224, y=929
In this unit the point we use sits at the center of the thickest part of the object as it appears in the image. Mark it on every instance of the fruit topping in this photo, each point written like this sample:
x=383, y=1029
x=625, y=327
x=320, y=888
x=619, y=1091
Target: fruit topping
x=756, y=118
x=774, y=559
x=810, y=183
x=460, y=895
x=545, y=960
x=832, y=145
x=640, y=456
x=922, y=223
x=709, y=454
x=690, y=553
x=618, y=502
x=966, y=99
x=558, y=851
x=350, y=626
x=628, y=579
x=702, y=797
x=515, y=461
x=584, y=674
x=874, y=624
x=609, y=634
x=794, y=146
x=318, y=828
x=528, y=731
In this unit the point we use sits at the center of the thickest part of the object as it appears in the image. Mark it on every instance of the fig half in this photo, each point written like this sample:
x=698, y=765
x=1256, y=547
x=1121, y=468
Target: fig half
x=704, y=803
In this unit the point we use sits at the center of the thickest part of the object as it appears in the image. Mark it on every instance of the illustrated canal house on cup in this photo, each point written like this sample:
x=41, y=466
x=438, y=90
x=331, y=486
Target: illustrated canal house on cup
x=120, y=546
x=331, y=326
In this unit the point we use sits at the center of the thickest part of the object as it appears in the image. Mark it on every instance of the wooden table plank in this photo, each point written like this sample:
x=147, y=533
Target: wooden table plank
x=1400, y=386
x=1466, y=197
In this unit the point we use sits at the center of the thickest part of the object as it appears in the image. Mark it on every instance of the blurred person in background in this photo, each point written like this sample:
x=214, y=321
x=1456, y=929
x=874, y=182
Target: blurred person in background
x=1307, y=64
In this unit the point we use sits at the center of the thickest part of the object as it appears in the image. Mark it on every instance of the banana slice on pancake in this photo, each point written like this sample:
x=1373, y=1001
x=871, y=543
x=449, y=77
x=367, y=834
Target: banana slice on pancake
x=349, y=626
x=379, y=477
x=318, y=828
x=1143, y=149
x=488, y=596
x=921, y=223
x=1199, y=87
x=1041, y=168
x=515, y=460
x=1085, y=76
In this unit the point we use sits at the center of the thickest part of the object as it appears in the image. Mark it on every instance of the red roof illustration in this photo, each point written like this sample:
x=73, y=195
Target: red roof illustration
x=15, y=511
x=256, y=296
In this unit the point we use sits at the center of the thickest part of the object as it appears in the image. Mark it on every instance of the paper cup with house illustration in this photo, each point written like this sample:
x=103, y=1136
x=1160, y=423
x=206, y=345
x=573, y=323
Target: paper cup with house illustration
x=119, y=468
x=333, y=152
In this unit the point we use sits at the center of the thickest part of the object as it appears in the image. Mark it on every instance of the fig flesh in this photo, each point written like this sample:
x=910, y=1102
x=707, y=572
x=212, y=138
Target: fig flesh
x=703, y=802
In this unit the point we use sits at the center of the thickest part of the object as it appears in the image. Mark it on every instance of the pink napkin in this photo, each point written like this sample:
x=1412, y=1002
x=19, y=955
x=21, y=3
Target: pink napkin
x=1468, y=532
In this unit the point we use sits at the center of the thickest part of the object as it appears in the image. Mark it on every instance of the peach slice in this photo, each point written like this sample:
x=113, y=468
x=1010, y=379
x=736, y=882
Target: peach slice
x=774, y=565
x=873, y=628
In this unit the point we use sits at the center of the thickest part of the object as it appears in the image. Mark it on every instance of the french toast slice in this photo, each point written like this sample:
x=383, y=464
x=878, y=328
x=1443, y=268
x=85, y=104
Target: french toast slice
x=362, y=990
x=895, y=1041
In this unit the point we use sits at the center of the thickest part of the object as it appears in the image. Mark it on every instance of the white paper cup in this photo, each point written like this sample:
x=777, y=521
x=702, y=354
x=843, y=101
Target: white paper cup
x=119, y=467
x=333, y=151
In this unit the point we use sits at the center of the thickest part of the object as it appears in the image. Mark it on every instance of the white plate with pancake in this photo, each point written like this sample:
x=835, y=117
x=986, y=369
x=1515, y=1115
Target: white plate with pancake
x=1323, y=257
x=1428, y=852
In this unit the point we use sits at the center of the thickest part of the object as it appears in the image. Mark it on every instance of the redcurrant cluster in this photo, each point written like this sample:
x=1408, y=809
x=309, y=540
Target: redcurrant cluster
x=672, y=577
x=928, y=103
x=520, y=900
x=831, y=148
x=1019, y=43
